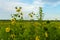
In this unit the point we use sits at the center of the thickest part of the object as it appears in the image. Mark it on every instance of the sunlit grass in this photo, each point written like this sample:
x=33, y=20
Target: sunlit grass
x=29, y=30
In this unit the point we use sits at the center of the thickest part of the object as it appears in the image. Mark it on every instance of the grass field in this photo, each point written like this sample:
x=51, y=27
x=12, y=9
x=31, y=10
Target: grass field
x=29, y=30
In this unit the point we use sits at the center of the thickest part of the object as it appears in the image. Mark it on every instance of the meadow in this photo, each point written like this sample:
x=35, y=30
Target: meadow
x=21, y=29
x=29, y=30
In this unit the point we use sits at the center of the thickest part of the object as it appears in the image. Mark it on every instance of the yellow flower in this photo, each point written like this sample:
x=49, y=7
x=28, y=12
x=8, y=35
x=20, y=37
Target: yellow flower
x=30, y=15
x=46, y=34
x=13, y=21
x=37, y=38
x=18, y=10
x=33, y=13
x=7, y=29
x=12, y=35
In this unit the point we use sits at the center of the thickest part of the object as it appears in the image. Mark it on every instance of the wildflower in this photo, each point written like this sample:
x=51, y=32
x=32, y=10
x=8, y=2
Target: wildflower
x=13, y=21
x=12, y=35
x=30, y=15
x=18, y=10
x=7, y=29
x=37, y=38
x=46, y=34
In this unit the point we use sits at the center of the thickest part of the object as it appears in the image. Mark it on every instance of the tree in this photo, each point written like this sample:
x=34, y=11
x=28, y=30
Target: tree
x=40, y=12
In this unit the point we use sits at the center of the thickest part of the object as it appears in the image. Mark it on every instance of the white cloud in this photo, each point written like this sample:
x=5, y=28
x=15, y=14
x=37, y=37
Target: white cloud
x=11, y=4
x=53, y=3
x=27, y=8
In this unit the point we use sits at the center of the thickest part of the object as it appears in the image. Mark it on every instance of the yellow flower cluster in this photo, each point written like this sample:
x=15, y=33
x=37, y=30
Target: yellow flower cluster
x=13, y=21
x=18, y=9
x=7, y=29
x=31, y=14
x=37, y=38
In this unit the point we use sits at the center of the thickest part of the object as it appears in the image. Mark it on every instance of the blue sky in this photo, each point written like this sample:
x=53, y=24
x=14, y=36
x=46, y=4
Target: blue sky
x=51, y=8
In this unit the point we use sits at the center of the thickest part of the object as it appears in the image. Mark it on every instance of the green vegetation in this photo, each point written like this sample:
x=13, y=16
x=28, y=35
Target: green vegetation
x=29, y=30
x=26, y=30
